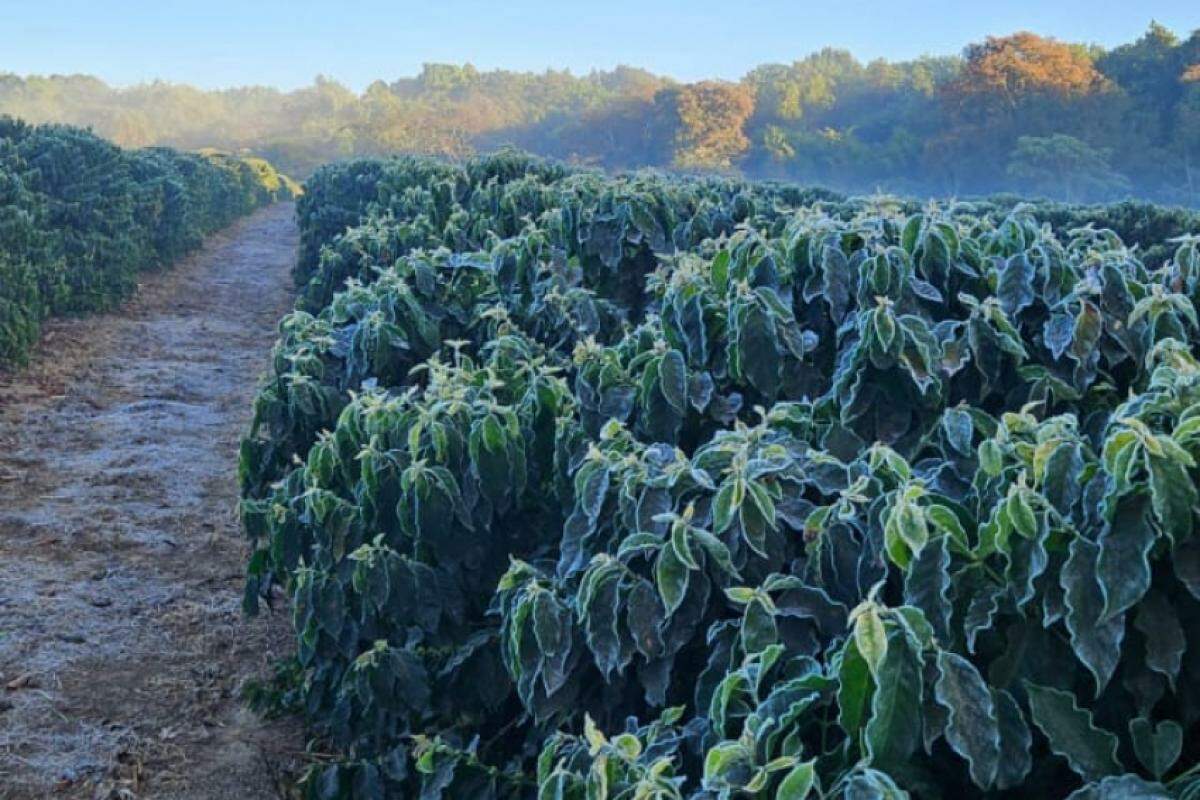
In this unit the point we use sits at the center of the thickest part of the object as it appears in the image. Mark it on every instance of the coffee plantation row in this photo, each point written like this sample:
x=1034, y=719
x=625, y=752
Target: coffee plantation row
x=80, y=217
x=582, y=486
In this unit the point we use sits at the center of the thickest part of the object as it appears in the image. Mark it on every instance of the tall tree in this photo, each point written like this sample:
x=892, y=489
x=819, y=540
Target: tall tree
x=1012, y=68
x=1009, y=87
x=1065, y=168
x=710, y=116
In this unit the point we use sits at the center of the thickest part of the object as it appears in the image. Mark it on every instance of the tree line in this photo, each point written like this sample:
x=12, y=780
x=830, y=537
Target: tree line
x=1021, y=113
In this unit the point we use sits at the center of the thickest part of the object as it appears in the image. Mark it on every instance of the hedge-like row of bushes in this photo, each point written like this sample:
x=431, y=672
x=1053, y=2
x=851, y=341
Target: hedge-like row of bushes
x=80, y=218
x=644, y=487
x=428, y=203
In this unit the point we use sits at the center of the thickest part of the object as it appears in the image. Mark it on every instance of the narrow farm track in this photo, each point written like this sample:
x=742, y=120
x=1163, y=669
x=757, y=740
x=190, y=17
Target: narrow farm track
x=122, y=645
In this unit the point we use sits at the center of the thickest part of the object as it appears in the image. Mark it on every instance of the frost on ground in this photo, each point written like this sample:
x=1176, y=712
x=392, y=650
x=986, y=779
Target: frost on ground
x=122, y=645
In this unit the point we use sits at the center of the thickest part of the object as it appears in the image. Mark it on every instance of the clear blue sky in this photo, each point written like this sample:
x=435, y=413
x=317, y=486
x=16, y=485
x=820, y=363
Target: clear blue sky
x=286, y=43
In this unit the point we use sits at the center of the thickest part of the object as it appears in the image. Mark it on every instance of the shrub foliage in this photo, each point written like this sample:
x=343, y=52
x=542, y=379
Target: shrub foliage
x=648, y=487
x=80, y=217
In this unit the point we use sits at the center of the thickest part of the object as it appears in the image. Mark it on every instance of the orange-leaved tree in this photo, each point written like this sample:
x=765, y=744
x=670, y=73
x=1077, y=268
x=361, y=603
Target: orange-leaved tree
x=710, y=120
x=1011, y=68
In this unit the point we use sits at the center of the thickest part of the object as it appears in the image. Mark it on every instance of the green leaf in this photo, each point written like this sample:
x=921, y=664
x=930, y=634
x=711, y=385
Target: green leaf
x=758, y=628
x=1159, y=625
x=871, y=639
x=854, y=689
x=927, y=585
x=1021, y=514
x=1089, y=325
x=912, y=526
x=911, y=233
x=758, y=346
x=681, y=544
x=959, y=429
x=720, y=271
x=1014, y=287
x=933, y=715
x=723, y=758
x=1090, y=751
x=885, y=329
x=1174, y=496
x=763, y=504
x=893, y=733
x=1122, y=787
x=591, y=485
x=836, y=279
x=1057, y=333
x=981, y=610
x=1027, y=560
x=638, y=543
x=671, y=575
x=493, y=433
x=330, y=607
x=724, y=507
x=948, y=522
x=717, y=551
x=600, y=617
x=1015, y=742
x=1156, y=746
x=1096, y=643
x=1060, y=480
x=912, y=620
x=695, y=333
x=1123, y=568
x=1119, y=449
x=644, y=616
x=547, y=624
x=991, y=458
x=972, y=729
x=1186, y=561
x=740, y=594
x=798, y=783
x=673, y=381
x=869, y=784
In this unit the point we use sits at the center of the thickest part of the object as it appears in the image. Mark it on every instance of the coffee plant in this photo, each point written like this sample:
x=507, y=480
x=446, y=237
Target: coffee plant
x=581, y=486
x=79, y=218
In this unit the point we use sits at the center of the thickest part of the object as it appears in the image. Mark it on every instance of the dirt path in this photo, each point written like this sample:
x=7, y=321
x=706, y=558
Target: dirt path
x=122, y=645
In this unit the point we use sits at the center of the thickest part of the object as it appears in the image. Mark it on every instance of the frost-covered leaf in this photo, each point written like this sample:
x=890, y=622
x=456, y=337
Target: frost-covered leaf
x=1174, y=496
x=959, y=429
x=927, y=585
x=1015, y=285
x=871, y=639
x=1165, y=640
x=1123, y=567
x=893, y=732
x=798, y=783
x=1091, y=752
x=854, y=689
x=1122, y=787
x=1096, y=641
x=1015, y=741
x=673, y=381
x=869, y=784
x=672, y=576
x=972, y=728
x=1157, y=746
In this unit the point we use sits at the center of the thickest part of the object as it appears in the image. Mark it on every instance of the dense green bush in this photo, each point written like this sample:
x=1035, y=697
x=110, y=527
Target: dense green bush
x=80, y=217
x=1150, y=227
x=420, y=202
x=644, y=487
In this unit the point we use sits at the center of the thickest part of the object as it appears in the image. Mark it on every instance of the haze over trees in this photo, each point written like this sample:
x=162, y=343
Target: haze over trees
x=1013, y=113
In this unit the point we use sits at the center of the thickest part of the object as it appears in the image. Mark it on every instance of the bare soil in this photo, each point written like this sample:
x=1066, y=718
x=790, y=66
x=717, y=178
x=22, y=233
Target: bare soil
x=123, y=650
